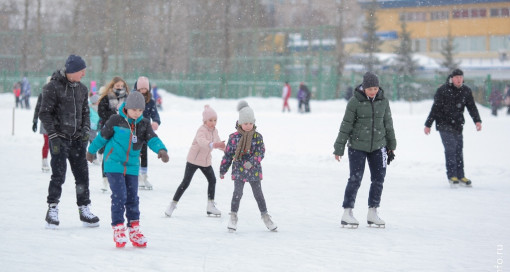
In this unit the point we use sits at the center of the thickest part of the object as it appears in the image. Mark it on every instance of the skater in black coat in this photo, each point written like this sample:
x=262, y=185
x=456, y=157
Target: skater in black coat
x=448, y=113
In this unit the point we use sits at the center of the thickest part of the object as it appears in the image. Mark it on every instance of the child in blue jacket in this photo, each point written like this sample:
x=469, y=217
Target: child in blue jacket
x=123, y=136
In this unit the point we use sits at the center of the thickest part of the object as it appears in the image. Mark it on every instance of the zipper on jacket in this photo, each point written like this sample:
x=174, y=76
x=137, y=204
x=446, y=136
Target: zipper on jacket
x=373, y=124
x=129, y=147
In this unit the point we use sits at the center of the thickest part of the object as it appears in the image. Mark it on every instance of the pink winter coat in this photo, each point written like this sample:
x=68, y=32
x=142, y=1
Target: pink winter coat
x=200, y=151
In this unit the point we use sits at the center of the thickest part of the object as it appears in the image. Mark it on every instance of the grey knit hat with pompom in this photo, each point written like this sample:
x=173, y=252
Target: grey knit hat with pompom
x=246, y=114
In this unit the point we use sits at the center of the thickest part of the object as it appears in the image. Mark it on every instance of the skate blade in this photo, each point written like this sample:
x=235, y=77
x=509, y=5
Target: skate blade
x=274, y=230
x=454, y=186
x=51, y=226
x=376, y=226
x=120, y=245
x=210, y=214
x=144, y=245
x=349, y=226
x=466, y=185
x=90, y=225
x=231, y=230
x=167, y=215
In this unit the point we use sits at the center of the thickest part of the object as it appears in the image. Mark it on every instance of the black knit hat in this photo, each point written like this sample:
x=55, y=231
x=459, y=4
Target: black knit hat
x=370, y=80
x=457, y=72
x=74, y=63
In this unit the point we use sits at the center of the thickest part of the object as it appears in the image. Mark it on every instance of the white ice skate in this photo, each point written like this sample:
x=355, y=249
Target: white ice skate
x=170, y=209
x=211, y=209
x=143, y=183
x=232, y=223
x=268, y=222
x=45, y=167
x=373, y=218
x=348, y=219
x=106, y=185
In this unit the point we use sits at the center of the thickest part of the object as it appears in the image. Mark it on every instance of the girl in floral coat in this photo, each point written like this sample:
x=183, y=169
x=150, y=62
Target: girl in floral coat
x=245, y=151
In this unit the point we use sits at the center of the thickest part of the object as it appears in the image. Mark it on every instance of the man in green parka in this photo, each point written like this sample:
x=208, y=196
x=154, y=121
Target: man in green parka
x=367, y=127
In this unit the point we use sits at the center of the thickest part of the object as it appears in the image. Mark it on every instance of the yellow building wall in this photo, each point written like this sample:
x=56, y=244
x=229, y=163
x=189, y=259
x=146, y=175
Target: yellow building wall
x=388, y=20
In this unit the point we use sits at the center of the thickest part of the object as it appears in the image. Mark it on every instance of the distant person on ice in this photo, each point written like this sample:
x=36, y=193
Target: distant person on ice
x=199, y=157
x=368, y=127
x=46, y=146
x=123, y=136
x=448, y=112
x=65, y=116
x=244, y=151
x=150, y=112
x=286, y=93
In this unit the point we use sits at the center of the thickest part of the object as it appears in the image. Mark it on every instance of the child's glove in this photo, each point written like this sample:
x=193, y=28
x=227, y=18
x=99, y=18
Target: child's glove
x=247, y=165
x=222, y=176
x=391, y=156
x=90, y=157
x=163, y=155
x=34, y=127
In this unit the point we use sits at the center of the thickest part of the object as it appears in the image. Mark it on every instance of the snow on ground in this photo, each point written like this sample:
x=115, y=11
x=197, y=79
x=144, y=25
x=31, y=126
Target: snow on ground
x=430, y=227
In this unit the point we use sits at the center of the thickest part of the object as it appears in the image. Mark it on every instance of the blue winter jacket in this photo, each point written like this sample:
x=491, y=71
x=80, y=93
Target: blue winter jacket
x=122, y=154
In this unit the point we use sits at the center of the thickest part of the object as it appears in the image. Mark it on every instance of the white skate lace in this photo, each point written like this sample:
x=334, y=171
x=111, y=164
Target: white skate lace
x=86, y=212
x=119, y=235
x=53, y=213
x=136, y=235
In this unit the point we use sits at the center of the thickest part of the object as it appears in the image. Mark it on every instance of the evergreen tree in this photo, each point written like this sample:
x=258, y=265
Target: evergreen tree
x=448, y=50
x=370, y=43
x=405, y=66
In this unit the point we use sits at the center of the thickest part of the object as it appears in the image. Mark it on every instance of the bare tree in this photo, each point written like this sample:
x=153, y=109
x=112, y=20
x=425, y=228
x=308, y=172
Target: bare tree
x=24, y=46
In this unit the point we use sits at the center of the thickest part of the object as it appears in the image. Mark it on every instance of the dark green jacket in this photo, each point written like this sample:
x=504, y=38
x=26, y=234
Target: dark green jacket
x=367, y=124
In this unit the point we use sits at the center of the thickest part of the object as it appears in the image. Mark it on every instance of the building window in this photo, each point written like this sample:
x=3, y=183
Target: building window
x=470, y=44
x=499, y=43
x=439, y=15
x=500, y=12
x=436, y=45
x=419, y=45
x=413, y=16
x=469, y=13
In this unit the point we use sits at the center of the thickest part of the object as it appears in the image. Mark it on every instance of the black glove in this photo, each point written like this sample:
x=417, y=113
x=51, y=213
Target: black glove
x=56, y=144
x=85, y=137
x=34, y=127
x=391, y=156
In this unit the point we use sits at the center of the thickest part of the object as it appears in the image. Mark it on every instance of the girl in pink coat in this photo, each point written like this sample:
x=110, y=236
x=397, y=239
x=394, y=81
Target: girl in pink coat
x=199, y=157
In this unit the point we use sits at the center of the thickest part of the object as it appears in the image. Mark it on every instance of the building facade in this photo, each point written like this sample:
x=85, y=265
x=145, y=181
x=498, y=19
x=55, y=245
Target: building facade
x=480, y=28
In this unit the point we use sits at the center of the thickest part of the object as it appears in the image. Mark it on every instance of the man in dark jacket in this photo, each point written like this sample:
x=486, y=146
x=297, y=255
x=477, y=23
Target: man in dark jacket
x=448, y=112
x=65, y=116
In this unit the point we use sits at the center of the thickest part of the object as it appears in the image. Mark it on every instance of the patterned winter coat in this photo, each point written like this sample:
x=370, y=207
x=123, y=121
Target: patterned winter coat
x=255, y=157
x=121, y=155
x=367, y=124
x=200, y=150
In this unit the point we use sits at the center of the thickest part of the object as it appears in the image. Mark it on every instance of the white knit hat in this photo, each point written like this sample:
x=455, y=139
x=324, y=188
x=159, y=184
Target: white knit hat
x=246, y=114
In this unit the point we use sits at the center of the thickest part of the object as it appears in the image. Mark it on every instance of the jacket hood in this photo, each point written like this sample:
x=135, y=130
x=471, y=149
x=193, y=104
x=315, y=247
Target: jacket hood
x=361, y=96
x=59, y=75
x=123, y=113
